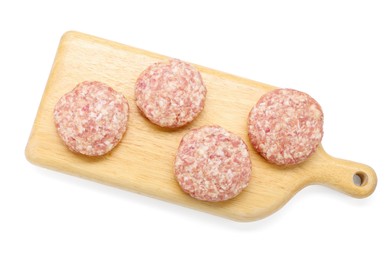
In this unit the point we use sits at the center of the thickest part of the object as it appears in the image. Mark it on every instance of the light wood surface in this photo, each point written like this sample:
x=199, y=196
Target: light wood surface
x=143, y=160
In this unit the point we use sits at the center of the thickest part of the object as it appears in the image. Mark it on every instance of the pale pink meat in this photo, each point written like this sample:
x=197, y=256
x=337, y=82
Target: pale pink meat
x=212, y=164
x=92, y=118
x=286, y=126
x=170, y=94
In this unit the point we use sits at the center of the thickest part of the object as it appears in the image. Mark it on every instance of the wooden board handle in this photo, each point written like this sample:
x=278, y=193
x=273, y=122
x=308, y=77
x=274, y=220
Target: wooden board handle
x=355, y=179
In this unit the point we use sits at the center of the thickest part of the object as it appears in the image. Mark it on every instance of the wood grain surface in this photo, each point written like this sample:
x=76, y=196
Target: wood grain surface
x=143, y=160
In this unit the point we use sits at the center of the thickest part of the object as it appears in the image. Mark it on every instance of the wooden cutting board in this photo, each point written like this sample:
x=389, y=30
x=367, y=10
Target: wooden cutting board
x=143, y=160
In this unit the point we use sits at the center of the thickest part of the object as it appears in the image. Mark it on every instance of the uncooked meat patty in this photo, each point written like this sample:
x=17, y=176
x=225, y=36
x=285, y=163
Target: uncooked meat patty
x=286, y=126
x=212, y=164
x=170, y=94
x=92, y=118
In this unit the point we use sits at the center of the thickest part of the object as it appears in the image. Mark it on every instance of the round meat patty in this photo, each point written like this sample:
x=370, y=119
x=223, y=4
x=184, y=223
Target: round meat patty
x=170, y=94
x=92, y=118
x=212, y=164
x=286, y=126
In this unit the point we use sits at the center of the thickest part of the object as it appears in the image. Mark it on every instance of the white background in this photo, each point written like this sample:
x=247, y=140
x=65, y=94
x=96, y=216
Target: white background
x=337, y=51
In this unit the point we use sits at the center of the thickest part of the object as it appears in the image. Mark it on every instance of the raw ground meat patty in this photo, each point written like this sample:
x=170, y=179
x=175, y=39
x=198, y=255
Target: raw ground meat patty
x=286, y=126
x=92, y=118
x=212, y=164
x=170, y=94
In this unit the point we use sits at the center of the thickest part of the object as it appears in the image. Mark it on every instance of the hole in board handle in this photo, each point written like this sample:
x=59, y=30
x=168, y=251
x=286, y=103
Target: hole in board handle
x=360, y=179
